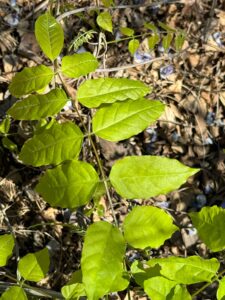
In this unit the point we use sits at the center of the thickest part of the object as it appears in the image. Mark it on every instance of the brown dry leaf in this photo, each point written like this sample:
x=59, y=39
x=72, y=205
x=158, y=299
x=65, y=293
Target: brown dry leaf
x=50, y=214
x=176, y=88
x=194, y=59
x=222, y=97
x=221, y=16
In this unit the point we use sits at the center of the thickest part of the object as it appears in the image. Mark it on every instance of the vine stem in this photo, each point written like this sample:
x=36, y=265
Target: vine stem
x=207, y=284
x=95, y=152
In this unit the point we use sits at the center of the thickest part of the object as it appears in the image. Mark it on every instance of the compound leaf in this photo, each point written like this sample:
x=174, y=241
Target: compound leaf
x=36, y=107
x=102, y=259
x=49, y=35
x=166, y=42
x=30, y=80
x=148, y=226
x=53, y=145
x=104, y=20
x=166, y=27
x=122, y=120
x=77, y=65
x=148, y=176
x=220, y=295
x=189, y=270
x=133, y=46
x=69, y=185
x=210, y=219
x=34, y=266
x=158, y=288
x=14, y=293
x=179, y=40
x=6, y=248
x=153, y=40
x=94, y=92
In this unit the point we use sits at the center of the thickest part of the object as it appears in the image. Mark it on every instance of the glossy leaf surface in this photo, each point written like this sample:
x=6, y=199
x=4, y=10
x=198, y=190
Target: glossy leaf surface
x=95, y=92
x=69, y=185
x=30, y=80
x=104, y=20
x=148, y=226
x=6, y=248
x=49, y=35
x=36, y=107
x=179, y=292
x=148, y=176
x=73, y=291
x=210, y=219
x=53, y=145
x=34, y=266
x=189, y=270
x=122, y=120
x=77, y=65
x=102, y=259
x=14, y=293
x=158, y=288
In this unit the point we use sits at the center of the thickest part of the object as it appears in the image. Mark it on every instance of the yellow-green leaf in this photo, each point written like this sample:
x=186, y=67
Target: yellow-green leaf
x=6, y=248
x=14, y=293
x=133, y=46
x=104, y=20
x=49, y=35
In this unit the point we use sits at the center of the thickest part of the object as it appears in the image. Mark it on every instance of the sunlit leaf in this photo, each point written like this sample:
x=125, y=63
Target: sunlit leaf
x=36, y=107
x=179, y=292
x=73, y=291
x=148, y=226
x=188, y=270
x=53, y=145
x=104, y=20
x=166, y=27
x=8, y=144
x=210, y=219
x=107, y=3
x=166, y=42
x=122, y=120
x=14, y=293
x=220, y=295
x=179, y=40
x=148, y=176
x=49, y=35
x=141, y=273
x=6, y=248
x=153, y=40
x=133, y=46
x=102, y=259
x=69, y=185
x=95, y=92
x=34, y=266
x=5, y=125
x=30, y=80
x=151, y=26
x=77, y=65
x=158, y=288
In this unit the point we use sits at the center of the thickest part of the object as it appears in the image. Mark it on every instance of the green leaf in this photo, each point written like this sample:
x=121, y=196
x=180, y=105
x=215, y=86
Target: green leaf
x=189, y=270
x=77, y=65
x=5, y=125
x=148, y=226
x=36, y=107
x=73, y=291
x=141, y=274
x=127, y=31
x=95, y=92
x=151, y=26
x=34, y=266
x=14, y=293
x=8, y=144
x=69, y=185
x=108, y=3
x=53, y=145
x=179, y=40
x=30, y=80
x=166, y=27
x=166, y=42
x=6, y=248
x=104, y=20
x=122, y=120
x=158, y=288
x=220, y=295
x=133, y=46
x=49, y=35
x=179, y=292
x=210, y=219
x=148, y=176
x=153, y=40
x=102, y=259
